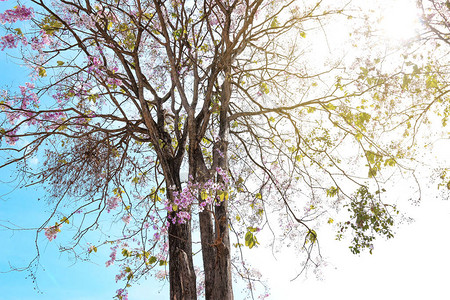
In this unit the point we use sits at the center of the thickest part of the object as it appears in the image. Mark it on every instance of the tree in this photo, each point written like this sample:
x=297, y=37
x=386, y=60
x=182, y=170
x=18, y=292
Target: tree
x=145, y=91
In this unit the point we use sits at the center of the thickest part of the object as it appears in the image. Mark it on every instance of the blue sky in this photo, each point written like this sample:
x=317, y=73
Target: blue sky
x=58, y=277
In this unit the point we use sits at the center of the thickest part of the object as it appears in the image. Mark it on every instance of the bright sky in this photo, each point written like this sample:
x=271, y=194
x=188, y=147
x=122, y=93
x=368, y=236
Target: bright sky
x=400, y=20
x=414, y=265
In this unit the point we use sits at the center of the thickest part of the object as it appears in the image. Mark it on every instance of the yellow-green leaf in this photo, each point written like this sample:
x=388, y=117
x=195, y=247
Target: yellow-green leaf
x=42, y=72
x=312, y=236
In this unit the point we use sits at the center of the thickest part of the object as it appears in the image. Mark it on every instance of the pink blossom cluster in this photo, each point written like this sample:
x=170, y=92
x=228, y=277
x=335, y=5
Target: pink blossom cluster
x=126, y=218
x=12, y=116
x=122, y=294
x=96, y=67
x=181, y=204
x=39, y=42
x=112, y=203
x=161, y=274
x=52, y=231
x=53, y=116
x=27, y=100
x=160, y=231
x=121, y=275
x=19, y=13
x=11, y=41
x=28, y=96
x=223, y=174
x=212, y=188
x=114, y=81
x=94, y=64
x=209, y=192
x=11, y=137
x=112, y=256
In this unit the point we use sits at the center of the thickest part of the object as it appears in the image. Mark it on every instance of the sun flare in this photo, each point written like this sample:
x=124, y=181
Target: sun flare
x=400, y=21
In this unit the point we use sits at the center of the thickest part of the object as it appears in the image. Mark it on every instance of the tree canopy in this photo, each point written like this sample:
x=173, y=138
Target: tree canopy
x=173, y=128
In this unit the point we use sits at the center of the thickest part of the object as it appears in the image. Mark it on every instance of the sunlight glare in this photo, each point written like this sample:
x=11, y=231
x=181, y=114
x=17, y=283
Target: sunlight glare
x=400, y=20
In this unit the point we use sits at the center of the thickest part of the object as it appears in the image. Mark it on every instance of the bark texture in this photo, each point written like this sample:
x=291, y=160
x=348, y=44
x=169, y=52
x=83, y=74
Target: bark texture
x=181, y=269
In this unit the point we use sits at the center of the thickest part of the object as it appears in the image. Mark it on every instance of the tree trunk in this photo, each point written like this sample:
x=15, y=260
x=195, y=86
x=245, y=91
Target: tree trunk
x=223, y=288
x=202, y=175
x=181, y=268
x=208, y=250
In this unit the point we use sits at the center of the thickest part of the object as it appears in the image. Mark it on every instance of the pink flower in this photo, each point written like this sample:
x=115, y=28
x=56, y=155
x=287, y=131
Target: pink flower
x=8, y=41
x=19, y=13
x=161, y=274
x=112, y=256
x=122, y=294
x=52, y=231
x=126, y=218
x=112, y=203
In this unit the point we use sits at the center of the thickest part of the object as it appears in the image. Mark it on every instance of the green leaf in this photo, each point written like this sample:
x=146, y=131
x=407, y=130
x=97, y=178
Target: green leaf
x=310, y=110
x=406, y=81
x=250, y=239
x=42, y=72
x=60, y=63
x=152, y=259
x=274, y=23
x=332, y=191
x=265, y=88
x=252, y=229
x=223, y=195
x=312, y=236
x=65, y=220
x=126, y=253
x=162, y=262
x=389, y=162
x=372, y=172
x=359, y=136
